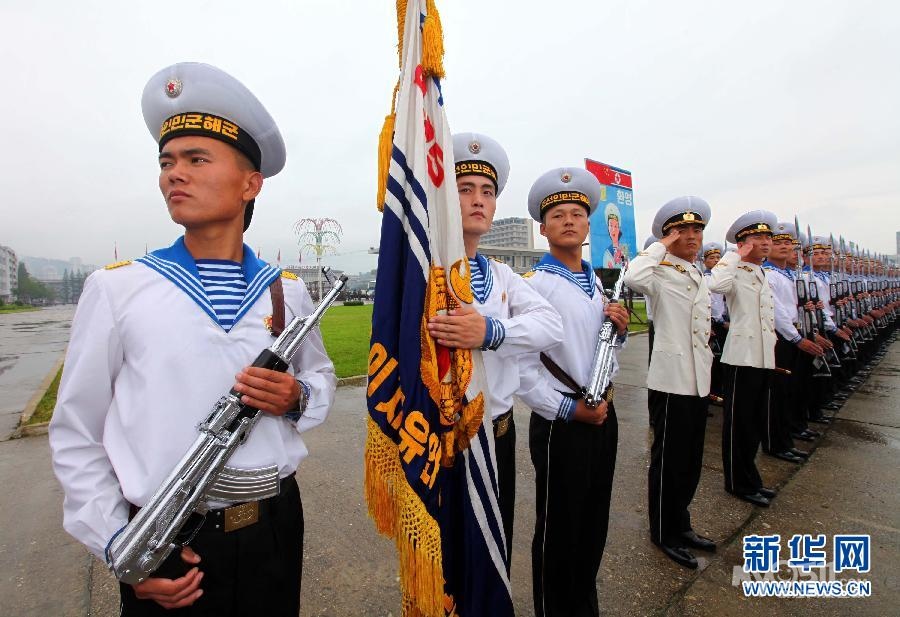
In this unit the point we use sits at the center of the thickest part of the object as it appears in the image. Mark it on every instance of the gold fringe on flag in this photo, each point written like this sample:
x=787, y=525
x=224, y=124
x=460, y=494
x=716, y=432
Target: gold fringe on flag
x=400, y=515
x=385, y=146
x=432, y=42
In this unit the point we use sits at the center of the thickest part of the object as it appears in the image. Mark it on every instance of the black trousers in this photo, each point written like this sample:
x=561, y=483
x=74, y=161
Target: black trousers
x=719, y=333
x=652, y=395
x=255, y=570
x=747, y=400
x=574, y=465
x=505, y=451
x=777, y=428
x=676, y=459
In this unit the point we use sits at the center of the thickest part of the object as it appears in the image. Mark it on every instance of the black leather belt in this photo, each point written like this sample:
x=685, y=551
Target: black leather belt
x=502, y=423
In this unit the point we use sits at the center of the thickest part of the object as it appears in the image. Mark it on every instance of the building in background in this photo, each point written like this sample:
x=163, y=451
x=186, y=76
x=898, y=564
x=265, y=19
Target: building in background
x=510, y=232
x=312, y=277
x=521, y=260
x=9, y=273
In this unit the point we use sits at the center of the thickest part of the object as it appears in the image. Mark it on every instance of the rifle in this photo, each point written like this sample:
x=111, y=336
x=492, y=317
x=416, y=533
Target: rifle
x=820, y=313
x=601, y=369
x=807, y=323
x=140, y=547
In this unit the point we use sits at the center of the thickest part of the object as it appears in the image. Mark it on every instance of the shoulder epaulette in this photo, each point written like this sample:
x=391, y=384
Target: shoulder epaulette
x=678, y=267
x=747, y=268
x=289, y=275
x=117, y=264
x=643, y=254
x=528, y=274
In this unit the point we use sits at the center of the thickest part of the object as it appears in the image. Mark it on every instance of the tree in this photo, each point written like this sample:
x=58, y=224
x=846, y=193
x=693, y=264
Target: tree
x=29, y=289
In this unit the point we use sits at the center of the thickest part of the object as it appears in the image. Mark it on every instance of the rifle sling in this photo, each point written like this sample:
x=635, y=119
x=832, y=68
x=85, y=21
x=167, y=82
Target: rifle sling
x=563, y=377
x=277, y=292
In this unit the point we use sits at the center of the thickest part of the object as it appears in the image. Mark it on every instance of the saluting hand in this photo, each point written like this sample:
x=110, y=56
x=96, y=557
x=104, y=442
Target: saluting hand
x=617, y=314
x=174, y=593
x=585, y=414
x=271, y=391
x=671, y=238
x=461, y=328
x=745, y=248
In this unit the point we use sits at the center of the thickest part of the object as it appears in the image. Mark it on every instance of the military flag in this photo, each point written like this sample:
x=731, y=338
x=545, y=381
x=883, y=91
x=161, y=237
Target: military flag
x=430, y=466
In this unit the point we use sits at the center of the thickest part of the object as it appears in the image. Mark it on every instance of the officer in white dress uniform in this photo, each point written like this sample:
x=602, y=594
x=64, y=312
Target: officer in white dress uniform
x=508, y=319
x=573, y=447
x=679, y=371
x=651, y=334
x=156, y=342
x=749, y=354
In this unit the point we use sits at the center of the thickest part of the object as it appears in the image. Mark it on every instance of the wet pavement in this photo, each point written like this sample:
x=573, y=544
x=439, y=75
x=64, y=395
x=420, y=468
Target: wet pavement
x=30, y=345
x=849, y=485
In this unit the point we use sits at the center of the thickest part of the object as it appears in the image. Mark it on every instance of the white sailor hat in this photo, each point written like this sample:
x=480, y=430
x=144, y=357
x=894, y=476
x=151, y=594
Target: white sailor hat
x=784, y=230
x=650, y=240
x=479, y=155
x=709, y=248
x=191, y=98
x=819, y=242
x=612, y=212
x=687, y=210
x=563, y=185
x=753, y=222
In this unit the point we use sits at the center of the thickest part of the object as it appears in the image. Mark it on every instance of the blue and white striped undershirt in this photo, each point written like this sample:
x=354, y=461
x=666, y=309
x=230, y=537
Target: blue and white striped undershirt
x=225, y=288
x=583, y=280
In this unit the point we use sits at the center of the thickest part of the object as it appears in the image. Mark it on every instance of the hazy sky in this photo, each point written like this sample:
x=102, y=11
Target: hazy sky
x=788, y=106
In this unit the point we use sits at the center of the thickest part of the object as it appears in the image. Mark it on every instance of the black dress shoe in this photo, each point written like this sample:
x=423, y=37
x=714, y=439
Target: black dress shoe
x=787, y=456
x=821, y=420
x=812, y=433
x=800, y=453
x=832, y=406
x=768, y=493
x=692, y=539
x=681, y=556
x=804, y=436
x=757, y=499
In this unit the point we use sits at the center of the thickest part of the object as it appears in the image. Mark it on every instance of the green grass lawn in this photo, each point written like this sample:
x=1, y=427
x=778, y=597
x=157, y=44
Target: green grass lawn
x=346, y=331
x=13, y=308
x=45, y=406
x=640, y=310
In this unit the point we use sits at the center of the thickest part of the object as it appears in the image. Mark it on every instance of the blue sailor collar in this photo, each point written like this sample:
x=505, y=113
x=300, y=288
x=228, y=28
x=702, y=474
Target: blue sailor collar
x=768, y=265
x=549, y=263
x=177, y=265
x=485, y=268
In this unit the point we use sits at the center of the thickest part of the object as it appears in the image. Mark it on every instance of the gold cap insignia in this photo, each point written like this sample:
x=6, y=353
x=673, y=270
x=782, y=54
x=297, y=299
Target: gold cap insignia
x=566, y=177
x=474, y=147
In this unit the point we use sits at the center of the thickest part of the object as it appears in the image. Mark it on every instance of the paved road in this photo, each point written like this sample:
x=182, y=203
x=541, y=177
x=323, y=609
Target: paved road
x=848, y=486
x=30, y=344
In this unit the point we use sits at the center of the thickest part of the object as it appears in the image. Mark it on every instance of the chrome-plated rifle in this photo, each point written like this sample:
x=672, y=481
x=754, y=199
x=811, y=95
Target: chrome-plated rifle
x=835, y=291
x=830, y=354
x=806, y=317
x=601, y=369
x=176, y=511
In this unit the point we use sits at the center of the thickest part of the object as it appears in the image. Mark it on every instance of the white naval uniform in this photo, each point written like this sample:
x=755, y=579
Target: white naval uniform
x=144, y=367
x=582, y=318
x=681, y=359
x=530, y=324
x=784, y=293
x=751, y=335
x=822, y=284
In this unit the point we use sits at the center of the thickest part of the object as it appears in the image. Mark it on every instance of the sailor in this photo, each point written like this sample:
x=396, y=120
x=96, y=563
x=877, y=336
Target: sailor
x=679, y=371
x=749, y=354
x=157, y=341
x=782, y=418
x=712, y=253
x=509, y=318
x=573, y=447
